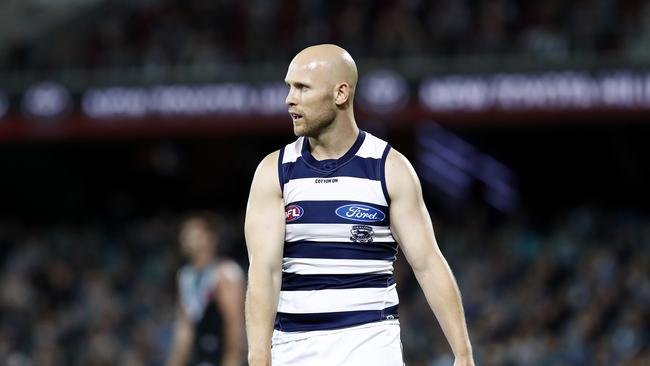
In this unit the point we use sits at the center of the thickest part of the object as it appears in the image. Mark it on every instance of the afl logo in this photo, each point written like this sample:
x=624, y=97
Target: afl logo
x=361, y=234
x=293, y=212
x=361, y=213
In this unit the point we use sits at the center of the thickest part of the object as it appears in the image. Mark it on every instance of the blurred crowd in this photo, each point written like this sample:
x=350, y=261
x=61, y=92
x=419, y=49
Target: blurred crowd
x=186, y=32
x=89, y=295
x=575, y=292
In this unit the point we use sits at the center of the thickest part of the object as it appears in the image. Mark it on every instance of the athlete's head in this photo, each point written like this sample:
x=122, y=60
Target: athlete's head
x=199, y=237
x=321, y=81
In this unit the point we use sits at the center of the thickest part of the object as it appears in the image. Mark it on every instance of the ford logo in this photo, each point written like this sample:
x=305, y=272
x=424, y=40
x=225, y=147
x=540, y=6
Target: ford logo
x=293, y=212
x=361, y=213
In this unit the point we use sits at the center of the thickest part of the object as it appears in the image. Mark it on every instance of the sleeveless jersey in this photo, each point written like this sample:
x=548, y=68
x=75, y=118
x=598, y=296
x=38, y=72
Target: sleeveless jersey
x=196, y=289
x=337, y=266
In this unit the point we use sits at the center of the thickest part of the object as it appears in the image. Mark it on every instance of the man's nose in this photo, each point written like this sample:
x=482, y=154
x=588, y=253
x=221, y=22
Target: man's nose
x=291, y=99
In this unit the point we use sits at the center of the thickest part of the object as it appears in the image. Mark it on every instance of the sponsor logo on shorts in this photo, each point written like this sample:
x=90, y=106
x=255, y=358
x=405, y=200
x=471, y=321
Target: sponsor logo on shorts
x=293, y=212
x=361, y=213
x=361, y=234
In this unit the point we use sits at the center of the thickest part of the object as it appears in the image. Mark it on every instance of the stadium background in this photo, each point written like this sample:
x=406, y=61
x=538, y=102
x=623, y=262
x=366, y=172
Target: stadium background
x=527, y=122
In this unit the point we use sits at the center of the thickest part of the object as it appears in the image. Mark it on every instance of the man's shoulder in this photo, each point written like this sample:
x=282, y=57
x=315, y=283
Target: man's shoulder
x=271, y=157
x=400, y=174
x=270, y=161
x=396, y=159
x=230, y=270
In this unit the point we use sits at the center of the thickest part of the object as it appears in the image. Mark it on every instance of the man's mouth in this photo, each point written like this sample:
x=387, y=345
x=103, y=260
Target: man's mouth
x=295, y=116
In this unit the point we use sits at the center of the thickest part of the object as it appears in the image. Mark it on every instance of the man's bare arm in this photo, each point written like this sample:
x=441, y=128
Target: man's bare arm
x=230, y=297
x=183, y=338
x=264, y=230
x=411, y=226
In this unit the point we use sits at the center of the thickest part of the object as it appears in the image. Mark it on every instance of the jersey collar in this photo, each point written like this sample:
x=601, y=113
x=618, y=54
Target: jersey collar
x=331, y=164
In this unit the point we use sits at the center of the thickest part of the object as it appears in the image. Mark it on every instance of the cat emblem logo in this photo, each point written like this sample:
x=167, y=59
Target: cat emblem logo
x=361, y=234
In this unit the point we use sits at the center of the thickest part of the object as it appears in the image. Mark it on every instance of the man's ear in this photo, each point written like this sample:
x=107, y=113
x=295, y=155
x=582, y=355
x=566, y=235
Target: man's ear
x=342, y=93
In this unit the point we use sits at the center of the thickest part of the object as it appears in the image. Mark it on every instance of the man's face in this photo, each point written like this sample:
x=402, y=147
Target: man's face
x=195, y=238
x=310, y=98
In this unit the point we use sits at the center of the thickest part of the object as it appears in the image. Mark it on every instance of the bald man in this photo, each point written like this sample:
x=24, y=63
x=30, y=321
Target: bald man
x=324, y=219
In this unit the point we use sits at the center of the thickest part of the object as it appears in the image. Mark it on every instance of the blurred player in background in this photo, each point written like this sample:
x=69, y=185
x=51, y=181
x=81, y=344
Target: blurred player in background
x=324, y=219
x=209, y=324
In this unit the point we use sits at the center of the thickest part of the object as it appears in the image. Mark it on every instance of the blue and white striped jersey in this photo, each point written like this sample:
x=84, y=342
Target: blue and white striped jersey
x=337, y=267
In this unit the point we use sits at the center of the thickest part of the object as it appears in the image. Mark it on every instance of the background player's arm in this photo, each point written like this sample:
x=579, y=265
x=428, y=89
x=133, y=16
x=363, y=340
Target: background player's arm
x=230, y=297
x=264, y=230
x=183, y=338
x=412, y=228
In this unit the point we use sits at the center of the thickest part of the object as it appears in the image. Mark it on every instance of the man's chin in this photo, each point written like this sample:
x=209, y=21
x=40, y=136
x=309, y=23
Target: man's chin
x=299, y=131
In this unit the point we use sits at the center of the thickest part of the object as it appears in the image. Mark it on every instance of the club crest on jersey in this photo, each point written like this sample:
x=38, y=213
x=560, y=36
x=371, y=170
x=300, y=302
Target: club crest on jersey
x=362, y=213
x=293, y=212
x=361, y=234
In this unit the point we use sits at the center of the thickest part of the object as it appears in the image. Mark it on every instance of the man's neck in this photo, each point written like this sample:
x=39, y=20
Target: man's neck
x=334, y=142
x=202, y=261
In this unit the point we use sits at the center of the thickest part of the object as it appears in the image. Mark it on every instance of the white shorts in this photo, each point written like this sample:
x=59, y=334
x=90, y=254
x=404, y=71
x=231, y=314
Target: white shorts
x=372, y=344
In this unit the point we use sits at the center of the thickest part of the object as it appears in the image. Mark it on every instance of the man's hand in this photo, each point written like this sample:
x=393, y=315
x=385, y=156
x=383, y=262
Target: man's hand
x=259, y=360
x=464, y=361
